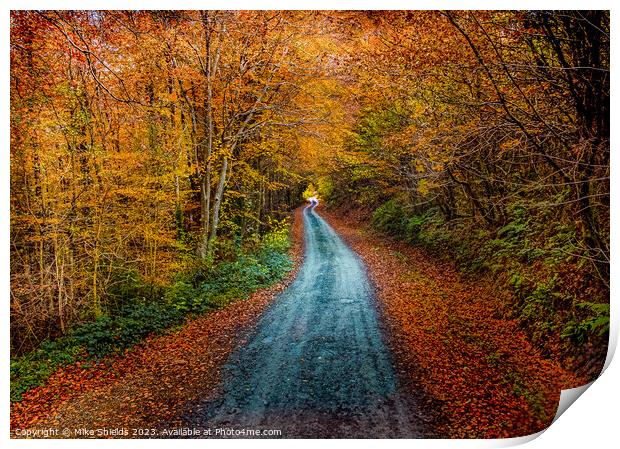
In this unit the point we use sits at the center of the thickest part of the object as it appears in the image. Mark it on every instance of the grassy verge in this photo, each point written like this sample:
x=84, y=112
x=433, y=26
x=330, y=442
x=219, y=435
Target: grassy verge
x=203, y=290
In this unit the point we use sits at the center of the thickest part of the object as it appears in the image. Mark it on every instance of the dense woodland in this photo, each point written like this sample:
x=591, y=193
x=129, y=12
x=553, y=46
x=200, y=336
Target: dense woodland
x=150, y=148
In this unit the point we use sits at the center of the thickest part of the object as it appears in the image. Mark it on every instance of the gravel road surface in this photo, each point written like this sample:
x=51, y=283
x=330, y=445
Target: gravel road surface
x=316, y=364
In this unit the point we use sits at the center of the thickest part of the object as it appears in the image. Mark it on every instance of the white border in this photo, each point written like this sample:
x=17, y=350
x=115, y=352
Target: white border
x=592, y=422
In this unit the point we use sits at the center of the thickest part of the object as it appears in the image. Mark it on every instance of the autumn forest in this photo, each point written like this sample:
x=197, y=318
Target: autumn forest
x=159, y=160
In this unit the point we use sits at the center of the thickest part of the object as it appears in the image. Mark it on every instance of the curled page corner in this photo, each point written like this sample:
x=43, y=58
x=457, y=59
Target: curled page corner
x=516, y=441
x=568, y=397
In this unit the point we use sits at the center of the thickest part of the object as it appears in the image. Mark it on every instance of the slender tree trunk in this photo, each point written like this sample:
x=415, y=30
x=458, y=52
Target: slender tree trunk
x=211, y=65
x=217, y=203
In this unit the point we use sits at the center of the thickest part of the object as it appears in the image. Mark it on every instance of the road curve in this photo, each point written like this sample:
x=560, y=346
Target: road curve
x=316, y=364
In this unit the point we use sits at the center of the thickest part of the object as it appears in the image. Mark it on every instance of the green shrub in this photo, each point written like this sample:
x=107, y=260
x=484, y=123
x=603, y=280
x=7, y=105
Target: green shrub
x=125, y=286
x=113, y=334
x=276, y=262
x=538, y=305
x=278, y=238
x=391, y=218
x=596, y=323
x=135, y=317
x=182, y=296
x=34, y=368
x=416, y=224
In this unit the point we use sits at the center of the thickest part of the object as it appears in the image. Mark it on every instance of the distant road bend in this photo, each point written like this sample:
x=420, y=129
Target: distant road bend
x=315, y=365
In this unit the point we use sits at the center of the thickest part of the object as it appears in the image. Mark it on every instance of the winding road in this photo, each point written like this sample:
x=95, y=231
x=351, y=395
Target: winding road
x=315, y=365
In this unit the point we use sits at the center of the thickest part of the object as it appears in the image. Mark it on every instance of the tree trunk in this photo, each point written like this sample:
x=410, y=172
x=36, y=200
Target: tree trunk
x=217, y=203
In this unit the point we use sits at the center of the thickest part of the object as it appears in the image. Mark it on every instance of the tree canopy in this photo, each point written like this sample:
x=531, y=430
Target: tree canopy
x=148, y=143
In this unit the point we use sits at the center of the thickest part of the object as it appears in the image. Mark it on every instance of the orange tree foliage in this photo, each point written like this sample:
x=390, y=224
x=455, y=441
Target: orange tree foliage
x=485, y=136
x=139, y=138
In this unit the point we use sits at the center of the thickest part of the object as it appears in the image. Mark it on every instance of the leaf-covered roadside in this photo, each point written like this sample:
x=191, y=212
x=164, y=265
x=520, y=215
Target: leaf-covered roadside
x=451, y=339
x=154, y=380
